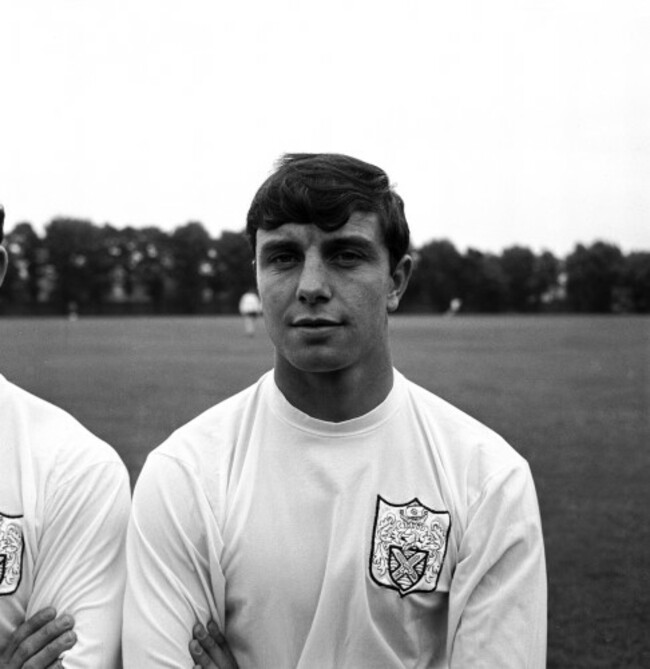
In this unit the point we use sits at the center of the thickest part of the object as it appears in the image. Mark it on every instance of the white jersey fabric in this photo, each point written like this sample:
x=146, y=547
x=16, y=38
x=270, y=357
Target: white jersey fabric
x=407, y=537
x=64, y=506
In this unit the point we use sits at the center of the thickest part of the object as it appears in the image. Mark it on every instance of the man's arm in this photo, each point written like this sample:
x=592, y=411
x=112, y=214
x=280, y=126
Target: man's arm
x=80, y=564
x=39, y=642
x=497, y=600
x=173, y=572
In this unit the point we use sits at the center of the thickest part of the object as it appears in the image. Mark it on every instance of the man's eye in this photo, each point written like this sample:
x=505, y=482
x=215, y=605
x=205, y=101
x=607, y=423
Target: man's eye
x=347, y=257
x=282, y=259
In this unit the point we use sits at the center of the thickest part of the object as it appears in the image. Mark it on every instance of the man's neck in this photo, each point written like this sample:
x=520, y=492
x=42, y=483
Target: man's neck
x=334, y=396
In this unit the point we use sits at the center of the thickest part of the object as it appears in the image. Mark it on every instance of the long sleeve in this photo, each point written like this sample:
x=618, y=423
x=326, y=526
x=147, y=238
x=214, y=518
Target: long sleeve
x=497, y=600
x=173, y=574
x=80, y=566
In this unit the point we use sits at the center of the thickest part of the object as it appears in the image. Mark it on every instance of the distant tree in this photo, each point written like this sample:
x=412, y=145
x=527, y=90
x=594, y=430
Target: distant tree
x=437, y=277
x=545, y=279
x=234, y=273
x=25, y=252
x=155, y=267
x=636, y=279
x=484, y=284
x=529, y=278
x=593, y=273
x=141, y=262
x=74, y=247
x=104, y=261
x=190, y=244
x=518, y=265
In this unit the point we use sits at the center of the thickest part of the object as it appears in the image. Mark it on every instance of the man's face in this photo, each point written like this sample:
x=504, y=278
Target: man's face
x=325, y=295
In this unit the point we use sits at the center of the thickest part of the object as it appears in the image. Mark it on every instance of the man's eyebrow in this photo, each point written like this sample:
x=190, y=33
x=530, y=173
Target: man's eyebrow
x=277, y=245
x=356, y=241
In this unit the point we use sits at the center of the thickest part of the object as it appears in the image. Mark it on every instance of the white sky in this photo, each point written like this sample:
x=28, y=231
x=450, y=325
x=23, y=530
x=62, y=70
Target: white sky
x=500, y=122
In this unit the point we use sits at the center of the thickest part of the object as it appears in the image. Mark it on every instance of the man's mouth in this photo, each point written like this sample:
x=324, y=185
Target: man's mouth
x=315, y=323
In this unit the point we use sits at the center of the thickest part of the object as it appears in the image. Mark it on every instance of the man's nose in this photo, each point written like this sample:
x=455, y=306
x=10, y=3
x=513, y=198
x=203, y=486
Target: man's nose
x=313, y=284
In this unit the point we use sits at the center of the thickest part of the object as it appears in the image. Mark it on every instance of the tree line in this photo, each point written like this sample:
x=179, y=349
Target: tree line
x=79, y=267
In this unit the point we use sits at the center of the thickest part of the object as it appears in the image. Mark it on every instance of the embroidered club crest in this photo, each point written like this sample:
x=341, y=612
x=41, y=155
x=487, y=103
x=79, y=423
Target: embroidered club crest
x=11, y=553
x=409, y=543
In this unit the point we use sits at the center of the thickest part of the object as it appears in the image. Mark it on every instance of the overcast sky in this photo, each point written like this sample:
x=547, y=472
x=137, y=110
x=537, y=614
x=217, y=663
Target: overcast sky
x=500, y=122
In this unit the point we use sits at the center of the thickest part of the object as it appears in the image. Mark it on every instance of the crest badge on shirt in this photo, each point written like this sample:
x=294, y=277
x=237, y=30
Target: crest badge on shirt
x=11, y=553
x=409, y=543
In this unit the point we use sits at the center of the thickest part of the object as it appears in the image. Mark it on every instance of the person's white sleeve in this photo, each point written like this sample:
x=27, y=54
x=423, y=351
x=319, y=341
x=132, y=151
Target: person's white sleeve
x=174, y=578
x=497, y=599
x=80, y=566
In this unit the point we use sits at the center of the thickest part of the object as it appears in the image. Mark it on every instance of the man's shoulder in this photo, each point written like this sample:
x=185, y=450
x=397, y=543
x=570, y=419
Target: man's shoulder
x=213, y=433
x=460, y=436
x=198, y=457
x=48, y=432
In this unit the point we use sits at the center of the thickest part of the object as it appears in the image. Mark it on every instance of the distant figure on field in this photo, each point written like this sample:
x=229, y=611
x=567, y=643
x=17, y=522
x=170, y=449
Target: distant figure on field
x=334, y=515
x=73, y=311
x=454, y=306
x=250, y=308
x=64, y=505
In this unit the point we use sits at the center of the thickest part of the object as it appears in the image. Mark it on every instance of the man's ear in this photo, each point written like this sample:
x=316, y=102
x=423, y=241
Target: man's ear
x=400, y=279
x=4, y=262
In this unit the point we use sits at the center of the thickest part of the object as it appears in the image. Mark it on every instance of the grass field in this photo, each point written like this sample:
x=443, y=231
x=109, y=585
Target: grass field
x=571, y=394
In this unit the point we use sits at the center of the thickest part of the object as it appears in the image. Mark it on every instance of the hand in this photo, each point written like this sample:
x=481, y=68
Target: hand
x=39, y=641
x=210, y=649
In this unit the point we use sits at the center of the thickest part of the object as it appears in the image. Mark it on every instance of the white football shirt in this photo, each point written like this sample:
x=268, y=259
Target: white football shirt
x=64, y=505
x=407, y=537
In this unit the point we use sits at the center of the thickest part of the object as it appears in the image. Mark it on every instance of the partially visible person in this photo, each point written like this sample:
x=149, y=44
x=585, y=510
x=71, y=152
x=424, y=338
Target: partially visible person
x=64, y=506
x=250, y=308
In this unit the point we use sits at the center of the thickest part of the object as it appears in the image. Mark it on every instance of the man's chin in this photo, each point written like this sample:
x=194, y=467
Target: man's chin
x=320, y=366
x=318, y=362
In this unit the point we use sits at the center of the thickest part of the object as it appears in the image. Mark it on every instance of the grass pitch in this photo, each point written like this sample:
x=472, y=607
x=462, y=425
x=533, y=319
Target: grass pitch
x=571, y=394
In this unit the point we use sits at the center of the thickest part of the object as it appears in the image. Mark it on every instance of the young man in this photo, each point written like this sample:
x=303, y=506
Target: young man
x=64, y=505
x=334, y=514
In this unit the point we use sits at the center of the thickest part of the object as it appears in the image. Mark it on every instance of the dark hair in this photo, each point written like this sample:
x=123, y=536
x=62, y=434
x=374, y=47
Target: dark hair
x=325, y=189
x=2, y=223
